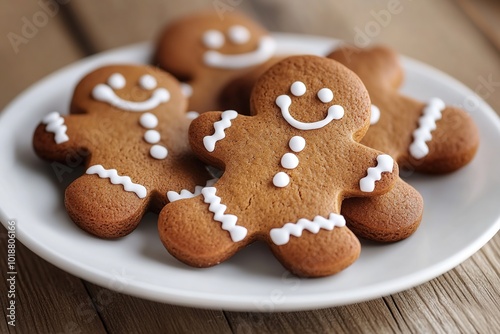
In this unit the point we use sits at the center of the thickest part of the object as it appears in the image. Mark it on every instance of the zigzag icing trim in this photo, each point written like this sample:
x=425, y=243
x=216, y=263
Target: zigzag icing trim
x=220, y=127
x=125, y=181
x=237, y=233
x=384, y=164
x=55, y=124
x=427, y=123
x=175, y=196
x=281, y=236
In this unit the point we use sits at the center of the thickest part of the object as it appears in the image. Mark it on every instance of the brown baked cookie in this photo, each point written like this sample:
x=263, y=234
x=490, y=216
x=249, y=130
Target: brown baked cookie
x=287, y=169
x=390, y=217
x=207, y=53
x=129, y=122
x=426, y=137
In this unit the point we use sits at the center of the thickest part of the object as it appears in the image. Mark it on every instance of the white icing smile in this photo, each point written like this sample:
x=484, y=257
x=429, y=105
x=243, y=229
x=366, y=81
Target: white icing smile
x=264, y=51
x=298, y=88
x=106, y=93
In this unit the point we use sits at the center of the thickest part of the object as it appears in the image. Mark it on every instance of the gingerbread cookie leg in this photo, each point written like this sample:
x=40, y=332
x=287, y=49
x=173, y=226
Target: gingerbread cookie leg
x=106, y=204
x=200, y=231
x=321, y=247
x=387, y=218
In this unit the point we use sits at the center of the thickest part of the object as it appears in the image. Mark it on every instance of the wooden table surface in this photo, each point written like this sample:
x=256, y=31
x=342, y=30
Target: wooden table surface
x=462, y=38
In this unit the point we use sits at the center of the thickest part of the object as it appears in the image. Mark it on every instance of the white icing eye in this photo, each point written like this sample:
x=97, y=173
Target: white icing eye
x=239, y=34
x=148, y=82
x=116, y=81
x=186, y=89
x=336, y=111
x=325, y=95
x=213, y=39
x=298, y=88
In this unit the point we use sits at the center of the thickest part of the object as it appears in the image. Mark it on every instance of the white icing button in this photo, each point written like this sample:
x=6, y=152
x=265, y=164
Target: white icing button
x=148, y=121
x=152, y=136
x=375, y=114
x=158, y=152
x=186, y=89
x=213, y=39
x=148, y=82
x=281, y=180
x=289, y=161
x=117, y=81
x=192, y=114
x=297, y=143
x=239, y=34
x=325, y=95
x=298, y=88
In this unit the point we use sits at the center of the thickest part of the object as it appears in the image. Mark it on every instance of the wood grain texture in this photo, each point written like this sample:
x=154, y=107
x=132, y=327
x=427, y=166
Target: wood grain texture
x=126, y=314
x=33, y=44
x=48, y=300
x=108, y=24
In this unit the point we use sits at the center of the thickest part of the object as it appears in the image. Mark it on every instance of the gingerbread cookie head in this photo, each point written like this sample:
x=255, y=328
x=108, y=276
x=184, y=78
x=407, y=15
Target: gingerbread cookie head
x=287, y=169
x=204, y=42
x=313, y=102
x=381, y=62
x=128, y=89
x=207, y=52
x=129, y=126
x=427, y=136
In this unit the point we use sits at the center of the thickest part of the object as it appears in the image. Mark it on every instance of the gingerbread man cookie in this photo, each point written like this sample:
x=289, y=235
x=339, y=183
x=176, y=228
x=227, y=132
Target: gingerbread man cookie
x=130, y=121
x=287, y=169
x=207, y=53
x=426, y=137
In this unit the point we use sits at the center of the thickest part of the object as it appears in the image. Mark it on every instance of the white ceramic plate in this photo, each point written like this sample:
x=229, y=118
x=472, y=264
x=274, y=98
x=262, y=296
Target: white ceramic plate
x=461, y=213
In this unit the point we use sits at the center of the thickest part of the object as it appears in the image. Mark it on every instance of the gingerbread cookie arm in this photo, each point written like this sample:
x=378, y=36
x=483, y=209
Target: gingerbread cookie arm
x=333, y=248
x=104, y=209
x=446, y=145
x=378, y=176
x=58, y=137
x=207, y=135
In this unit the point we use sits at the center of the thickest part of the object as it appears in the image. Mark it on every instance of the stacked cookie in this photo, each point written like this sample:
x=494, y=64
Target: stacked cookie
x=308, y=147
